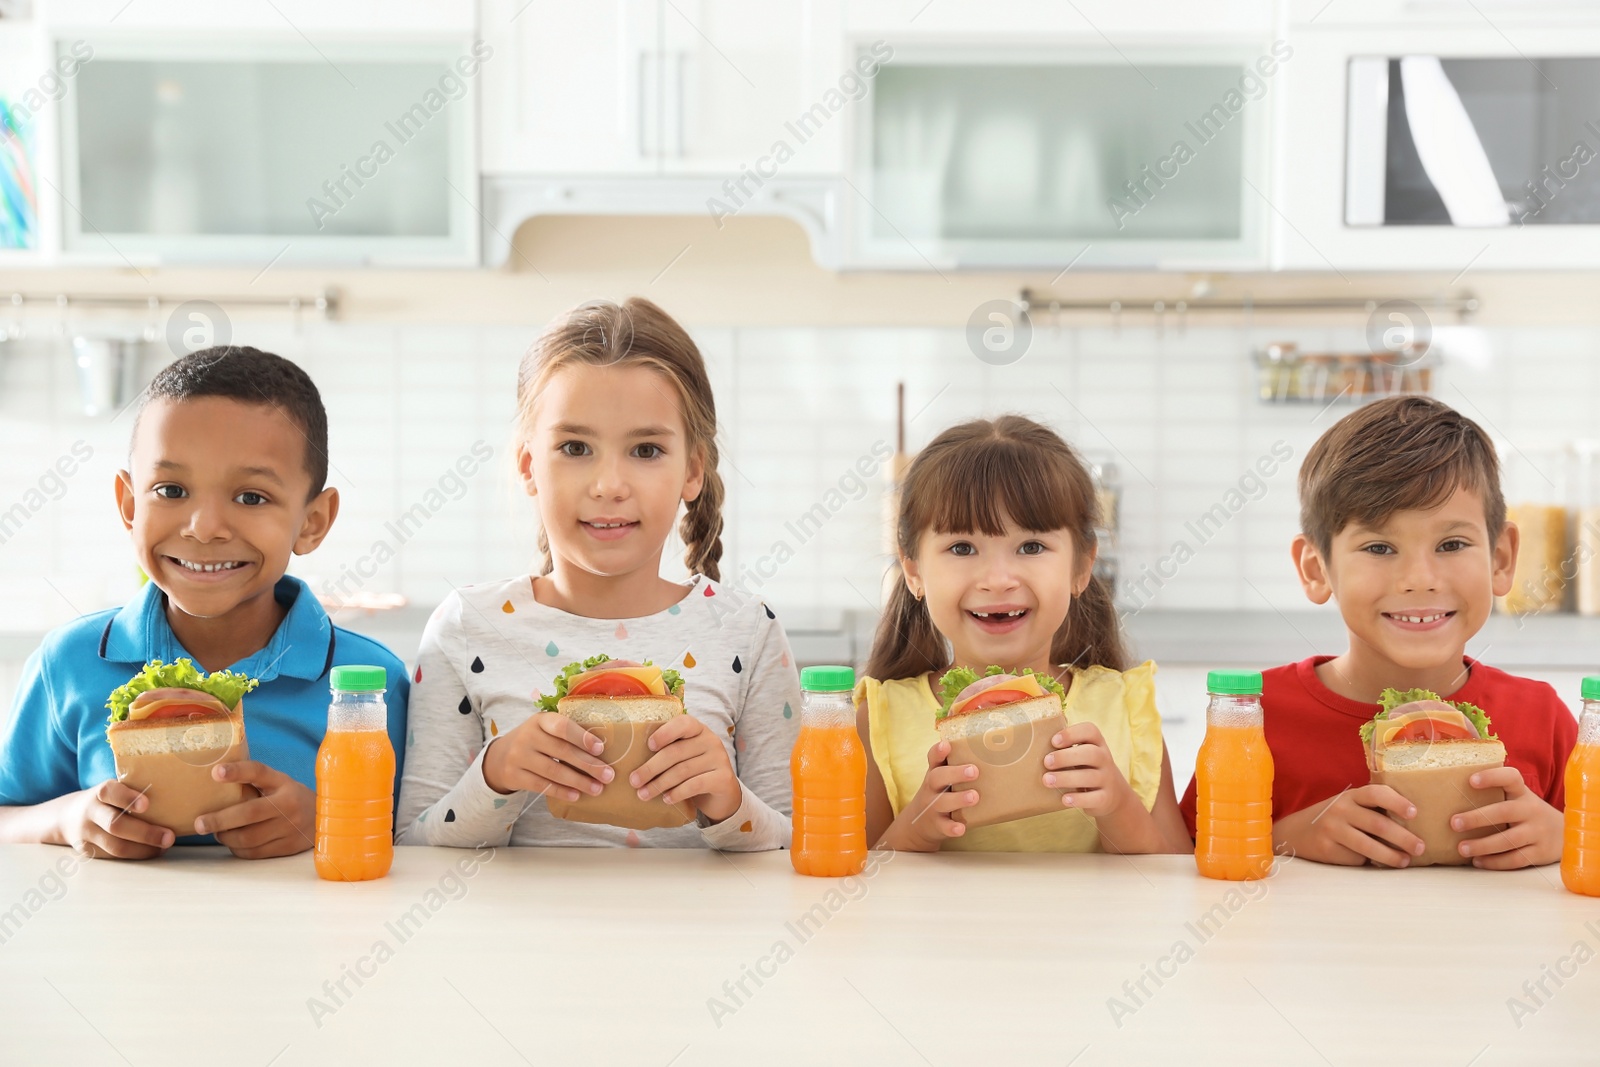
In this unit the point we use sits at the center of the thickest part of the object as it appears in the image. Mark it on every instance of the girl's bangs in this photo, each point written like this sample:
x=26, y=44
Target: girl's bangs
x=1001, y=482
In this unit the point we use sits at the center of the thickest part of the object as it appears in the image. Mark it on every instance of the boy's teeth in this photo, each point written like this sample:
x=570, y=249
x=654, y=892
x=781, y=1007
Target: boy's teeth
x=208, y=568
x=1420, y=618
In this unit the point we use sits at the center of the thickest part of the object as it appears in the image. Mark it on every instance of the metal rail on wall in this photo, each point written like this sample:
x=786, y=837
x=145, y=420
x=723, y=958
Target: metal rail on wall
x=1462, y=304
x=325, y=303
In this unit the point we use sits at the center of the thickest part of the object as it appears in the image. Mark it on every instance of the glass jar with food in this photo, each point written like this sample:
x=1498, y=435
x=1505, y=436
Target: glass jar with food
x=1535, y=483
x=1586, y=526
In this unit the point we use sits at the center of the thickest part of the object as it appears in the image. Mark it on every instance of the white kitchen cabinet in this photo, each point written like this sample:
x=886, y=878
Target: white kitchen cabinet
x=1041, y=156
x=738, y=78
x=367, y=19
x=566, y=90
x=1378, y=16
x=180, y=159
x=641, y=87
x=1033, y=20
x=1314, y=230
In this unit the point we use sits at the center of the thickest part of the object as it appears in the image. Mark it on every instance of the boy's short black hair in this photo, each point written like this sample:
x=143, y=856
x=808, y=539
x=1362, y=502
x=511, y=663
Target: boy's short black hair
x=251, y=376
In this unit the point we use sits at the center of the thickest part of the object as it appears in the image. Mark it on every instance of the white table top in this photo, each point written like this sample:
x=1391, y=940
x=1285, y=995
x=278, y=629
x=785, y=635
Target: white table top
x=548, y=956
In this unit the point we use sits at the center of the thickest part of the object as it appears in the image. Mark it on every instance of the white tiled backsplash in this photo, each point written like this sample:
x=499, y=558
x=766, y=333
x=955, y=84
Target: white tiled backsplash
x=802, y=410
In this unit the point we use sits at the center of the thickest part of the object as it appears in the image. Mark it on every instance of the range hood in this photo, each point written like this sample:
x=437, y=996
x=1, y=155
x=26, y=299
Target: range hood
x=814, y=203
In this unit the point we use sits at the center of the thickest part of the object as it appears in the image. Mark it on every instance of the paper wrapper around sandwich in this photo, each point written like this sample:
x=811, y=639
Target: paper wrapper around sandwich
x=1009, y=755
x=1440, y=793
x=179, y=785
x=626, y=750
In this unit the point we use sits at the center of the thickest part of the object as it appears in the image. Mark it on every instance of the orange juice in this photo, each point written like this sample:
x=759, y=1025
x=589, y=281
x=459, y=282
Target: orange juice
x=355, y=781
x=355, y=805
x=1233, y=776
x=1580, y=849
x=829, y=770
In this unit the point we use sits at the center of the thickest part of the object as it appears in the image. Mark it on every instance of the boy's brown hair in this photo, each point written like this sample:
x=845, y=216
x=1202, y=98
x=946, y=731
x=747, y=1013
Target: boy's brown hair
x=1401, y=453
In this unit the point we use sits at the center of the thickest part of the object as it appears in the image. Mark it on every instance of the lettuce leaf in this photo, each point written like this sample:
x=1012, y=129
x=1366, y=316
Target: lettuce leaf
x=1390, y=699
x=1479, y=718
x=1393, y=698
x=954, y=681
x=226, y=686
x=958, y=678
x=669, y=678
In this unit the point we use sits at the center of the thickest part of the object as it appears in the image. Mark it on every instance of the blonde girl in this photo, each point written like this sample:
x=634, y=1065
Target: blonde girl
x=995, y=534
x=616, y=437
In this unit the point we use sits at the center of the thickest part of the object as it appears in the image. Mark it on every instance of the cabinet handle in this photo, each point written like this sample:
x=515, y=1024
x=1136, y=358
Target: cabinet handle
x=644, y=152
x=683, y=107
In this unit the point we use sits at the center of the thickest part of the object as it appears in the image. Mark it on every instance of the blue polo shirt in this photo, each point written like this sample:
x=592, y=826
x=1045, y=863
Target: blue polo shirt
x=55, y=740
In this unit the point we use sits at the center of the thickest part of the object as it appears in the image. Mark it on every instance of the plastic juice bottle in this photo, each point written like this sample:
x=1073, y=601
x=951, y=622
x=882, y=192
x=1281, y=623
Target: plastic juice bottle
x=829, y=768
x=1233, y=813
x=355, y=780
x=1580, y=850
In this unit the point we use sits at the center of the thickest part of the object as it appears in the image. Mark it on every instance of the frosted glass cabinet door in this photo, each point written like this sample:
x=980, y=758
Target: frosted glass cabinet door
x=357, y=157
x=1018, y=162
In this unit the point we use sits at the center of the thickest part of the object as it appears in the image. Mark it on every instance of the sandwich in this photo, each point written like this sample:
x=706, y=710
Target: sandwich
x=621, y=702
x=1427, y=749
x=169, y=725
x=1003, y=723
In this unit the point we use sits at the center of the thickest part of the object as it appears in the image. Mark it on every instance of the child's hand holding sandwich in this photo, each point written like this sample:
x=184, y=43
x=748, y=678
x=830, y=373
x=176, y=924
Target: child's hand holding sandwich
x=930, y=819
x=546, y=754
x=282, y=821
x=1533, y=828
x=103, y=822
x=690, y=763
x=614, y=716
x=1351, y=829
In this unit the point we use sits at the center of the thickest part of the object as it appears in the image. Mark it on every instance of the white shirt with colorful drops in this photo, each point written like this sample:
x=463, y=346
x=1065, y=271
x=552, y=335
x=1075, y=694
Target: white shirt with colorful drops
x=490, y=651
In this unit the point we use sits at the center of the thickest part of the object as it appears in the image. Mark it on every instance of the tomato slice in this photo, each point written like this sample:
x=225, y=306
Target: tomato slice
x=994, y=697
x=1432, y=730
x=180, y=711
x=610, y=685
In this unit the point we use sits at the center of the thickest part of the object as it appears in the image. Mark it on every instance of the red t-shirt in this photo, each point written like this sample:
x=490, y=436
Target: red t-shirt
x=1316, y=747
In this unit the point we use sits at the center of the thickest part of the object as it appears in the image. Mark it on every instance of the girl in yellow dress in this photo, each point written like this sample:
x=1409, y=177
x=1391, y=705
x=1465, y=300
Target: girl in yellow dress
x=996, y=540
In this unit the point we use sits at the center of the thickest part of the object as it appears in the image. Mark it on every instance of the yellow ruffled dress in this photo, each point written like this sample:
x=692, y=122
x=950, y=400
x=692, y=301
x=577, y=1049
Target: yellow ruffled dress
x=1122, y=704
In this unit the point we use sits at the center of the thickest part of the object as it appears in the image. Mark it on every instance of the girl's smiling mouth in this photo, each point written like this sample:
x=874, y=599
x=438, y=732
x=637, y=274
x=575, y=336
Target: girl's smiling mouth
x=999, y=620
x=608, y=529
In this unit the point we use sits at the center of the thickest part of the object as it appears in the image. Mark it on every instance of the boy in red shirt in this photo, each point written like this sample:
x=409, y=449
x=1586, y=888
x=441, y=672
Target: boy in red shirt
x=1405, y=527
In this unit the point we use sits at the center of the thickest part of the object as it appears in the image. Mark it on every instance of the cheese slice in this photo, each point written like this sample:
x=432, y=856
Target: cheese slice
x=1026, y=685
x=148, y=703
x=1390, y=727
x=650, y=677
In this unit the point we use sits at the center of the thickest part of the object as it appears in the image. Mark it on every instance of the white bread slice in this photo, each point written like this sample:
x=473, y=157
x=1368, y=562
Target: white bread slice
x=1426, y=755
x=155, y=737
x=1020, y=713
x=596, y=710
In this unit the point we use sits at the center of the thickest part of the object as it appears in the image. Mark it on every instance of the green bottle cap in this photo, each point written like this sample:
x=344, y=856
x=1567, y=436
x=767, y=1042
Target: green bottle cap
x=1591, y=688
x=1234, y=683
x=359, y=679
x=828, y=679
